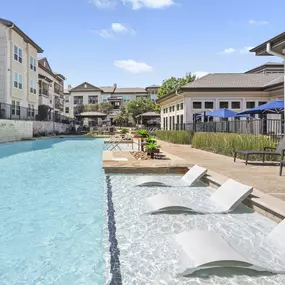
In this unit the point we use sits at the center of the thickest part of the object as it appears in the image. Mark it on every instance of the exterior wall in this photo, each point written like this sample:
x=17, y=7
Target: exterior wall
x=49, y=127
x=32, y=75
x=188, y=98
x=15, y=130
x=277, y=94
x=3, y=63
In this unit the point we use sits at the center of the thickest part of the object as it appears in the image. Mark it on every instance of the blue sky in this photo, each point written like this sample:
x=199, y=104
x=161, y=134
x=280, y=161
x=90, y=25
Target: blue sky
x=142, y=42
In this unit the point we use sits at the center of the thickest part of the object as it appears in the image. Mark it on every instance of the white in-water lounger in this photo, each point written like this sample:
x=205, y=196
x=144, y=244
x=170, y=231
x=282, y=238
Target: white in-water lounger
x=207, y=250
x=225, y=199
x=193, y=175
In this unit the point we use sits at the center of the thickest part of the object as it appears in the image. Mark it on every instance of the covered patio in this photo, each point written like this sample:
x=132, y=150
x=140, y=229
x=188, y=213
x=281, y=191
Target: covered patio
x=148, y=118
x=91, y=118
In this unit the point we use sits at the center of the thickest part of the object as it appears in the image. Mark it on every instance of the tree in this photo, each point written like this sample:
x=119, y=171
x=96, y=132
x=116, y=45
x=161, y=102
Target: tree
x=91, y=108
x=122, y=117
x=174, y=83
x=103, y=107
x=140, y=106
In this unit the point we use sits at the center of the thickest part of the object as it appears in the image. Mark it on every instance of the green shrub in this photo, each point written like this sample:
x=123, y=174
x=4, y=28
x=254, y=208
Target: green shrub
x=178, y=137
x=226, y=144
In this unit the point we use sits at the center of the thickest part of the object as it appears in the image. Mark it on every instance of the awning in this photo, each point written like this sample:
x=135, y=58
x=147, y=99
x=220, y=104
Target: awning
x=149, y=115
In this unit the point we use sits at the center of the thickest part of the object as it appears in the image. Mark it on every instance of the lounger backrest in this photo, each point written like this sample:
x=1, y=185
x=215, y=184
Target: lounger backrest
x=194, y=174
x=277, y=235
x=281, y=145
x=230, y=195
x=204, y=247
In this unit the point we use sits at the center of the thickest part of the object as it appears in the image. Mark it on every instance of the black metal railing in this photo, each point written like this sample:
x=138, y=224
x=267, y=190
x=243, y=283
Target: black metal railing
x=273, y=128
x=14, y=112
x=44, y=92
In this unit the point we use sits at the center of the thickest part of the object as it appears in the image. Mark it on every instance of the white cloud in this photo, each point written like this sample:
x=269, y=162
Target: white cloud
x=245, y=50
x=103, y=4
x=116, y=29
x=228, y=51
x=200, y=74
x=133, y=66
x=258, y=23
x=155, y=4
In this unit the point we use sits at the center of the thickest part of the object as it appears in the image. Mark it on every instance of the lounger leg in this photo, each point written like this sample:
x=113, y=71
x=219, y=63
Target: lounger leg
x=263, y=157
x=246, y=159
x=281, y=168
x=235, y=156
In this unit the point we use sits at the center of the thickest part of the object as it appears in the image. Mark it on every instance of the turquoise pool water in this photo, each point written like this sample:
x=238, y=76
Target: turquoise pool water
x=52, y=212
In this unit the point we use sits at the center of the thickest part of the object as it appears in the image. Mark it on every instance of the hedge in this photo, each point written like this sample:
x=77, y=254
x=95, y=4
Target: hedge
x=177, y=137
x=224, y=143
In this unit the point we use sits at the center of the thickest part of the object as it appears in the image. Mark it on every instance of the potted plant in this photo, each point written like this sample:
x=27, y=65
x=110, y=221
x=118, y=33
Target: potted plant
x=150, y=139
x=152, y=148
x=124, y=130
x=141, y=134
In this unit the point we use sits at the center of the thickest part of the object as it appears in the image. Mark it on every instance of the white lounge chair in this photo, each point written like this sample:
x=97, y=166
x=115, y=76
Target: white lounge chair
x=207, y=250
x=225, y=199
x=193, y=175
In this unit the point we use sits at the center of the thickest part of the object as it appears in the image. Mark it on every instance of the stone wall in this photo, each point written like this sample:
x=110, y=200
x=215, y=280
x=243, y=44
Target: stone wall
x=11, y=130
x=49, y=127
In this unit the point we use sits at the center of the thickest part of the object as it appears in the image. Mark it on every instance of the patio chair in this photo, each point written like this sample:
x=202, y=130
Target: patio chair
x=207, y=250
x=279, y=151
x=193, y=175
x=224, y=200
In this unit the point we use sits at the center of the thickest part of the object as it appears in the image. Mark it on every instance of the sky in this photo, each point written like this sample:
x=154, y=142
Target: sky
x=137, y=43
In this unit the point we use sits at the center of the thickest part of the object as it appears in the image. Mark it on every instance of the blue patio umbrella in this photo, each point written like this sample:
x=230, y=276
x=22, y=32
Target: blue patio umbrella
x=222, y=113
x=271, y=107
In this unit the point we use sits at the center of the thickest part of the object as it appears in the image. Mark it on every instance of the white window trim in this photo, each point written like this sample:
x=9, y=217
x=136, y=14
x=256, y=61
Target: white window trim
x=19, y=75
x=18, y=54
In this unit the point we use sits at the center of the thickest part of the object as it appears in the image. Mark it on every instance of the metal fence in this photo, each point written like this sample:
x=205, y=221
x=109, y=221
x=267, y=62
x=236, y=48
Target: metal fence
x=269, y=127
x=15, y=112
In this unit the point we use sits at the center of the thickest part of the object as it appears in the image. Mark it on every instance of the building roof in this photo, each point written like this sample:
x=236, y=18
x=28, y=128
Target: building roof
x=27, y=39
x=44, y=64
x=84, y=87
x=277, y=43
x=130, y=90
x=153, y=86
x=231, y=80
x=107, y=89
x=267, y=65
x=149, y=114
x=276, y=81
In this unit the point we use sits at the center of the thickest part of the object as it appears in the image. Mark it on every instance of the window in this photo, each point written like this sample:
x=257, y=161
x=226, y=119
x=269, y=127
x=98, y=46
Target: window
x=33, y=86
x=15, y=108
x=235, y=105
x=66, y=110
x=250, y=105
x=261, y=103
x=33, y=63
x=78, y=100
x=166, y=110
x=177, y=107
x=181, y=119
x=181, y=106
x=18, y=80
x=170, y=122
x=209, y=105
x=31, y=110
x=224, y=104
x=92, y=99
x=18, y=54
x=153, y=97
x=177, y=119
x=197, y=105
x=126, y=98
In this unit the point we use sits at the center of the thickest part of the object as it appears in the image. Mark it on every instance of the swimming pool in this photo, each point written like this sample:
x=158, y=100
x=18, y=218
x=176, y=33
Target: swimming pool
x=52, y=209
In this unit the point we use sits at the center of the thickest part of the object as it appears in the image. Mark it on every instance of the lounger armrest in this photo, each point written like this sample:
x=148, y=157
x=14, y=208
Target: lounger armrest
x=269, y=148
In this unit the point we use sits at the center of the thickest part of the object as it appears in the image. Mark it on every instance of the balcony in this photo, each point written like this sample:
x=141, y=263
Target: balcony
x=44, y=92
x=78, y=102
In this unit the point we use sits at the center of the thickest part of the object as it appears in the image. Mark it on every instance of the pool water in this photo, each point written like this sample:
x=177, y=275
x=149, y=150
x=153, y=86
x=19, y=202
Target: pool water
x=52, y=212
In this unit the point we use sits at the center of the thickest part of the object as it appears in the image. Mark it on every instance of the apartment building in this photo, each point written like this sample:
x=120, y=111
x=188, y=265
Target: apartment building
x=18, y=72
x=87, y=93
x=234, y=91
x=51, y=91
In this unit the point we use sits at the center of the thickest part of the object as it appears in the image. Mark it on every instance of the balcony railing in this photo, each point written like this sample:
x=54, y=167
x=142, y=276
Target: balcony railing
x=44, y=92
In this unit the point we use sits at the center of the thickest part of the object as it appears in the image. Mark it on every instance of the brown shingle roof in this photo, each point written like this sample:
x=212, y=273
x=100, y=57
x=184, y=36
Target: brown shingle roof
x=231, y=80
x=130, y=90
x=107, y=89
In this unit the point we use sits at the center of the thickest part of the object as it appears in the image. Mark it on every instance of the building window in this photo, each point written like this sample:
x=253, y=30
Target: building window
x=177, y=119
x=181, y=119
x=31, y=110
x=18, y=54
x=153, y=97
x=18, y=80
x=92, y=99
x=224, y=105
x=250, y=105
x=66, y=110
x=126, y=98
x=197, y=105
x=181, y=106
x=235, y=105
x=261, y=103
x=166, y=110
x=33, y=86
x=33, y=63
x=209, y=105
x=15, y=108
x=177, y=107
x=78, y=100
